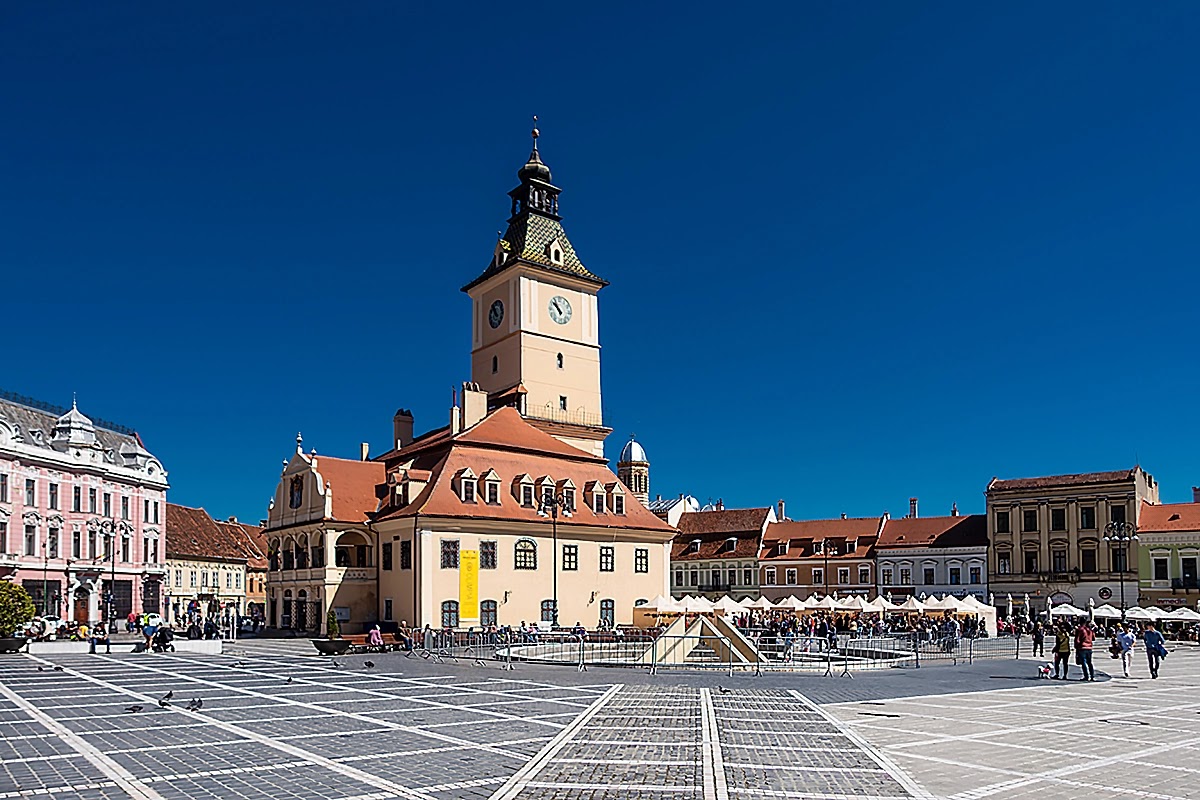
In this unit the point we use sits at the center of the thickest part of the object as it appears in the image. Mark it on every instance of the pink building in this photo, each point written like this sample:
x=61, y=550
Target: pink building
x=82, y=512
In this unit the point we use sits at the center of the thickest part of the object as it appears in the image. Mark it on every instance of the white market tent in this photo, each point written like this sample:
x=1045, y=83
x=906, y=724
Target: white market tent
x=791, y=602
x=826, y=603
x=1106, y=612
x=973, y=604
x=728, y=605
x=695, y=605
x=852, y=604
x=761, y=604
x=911, y=604
x=947, y=603
x=1067, y=610
x=1139, y=614
x=1182, y=615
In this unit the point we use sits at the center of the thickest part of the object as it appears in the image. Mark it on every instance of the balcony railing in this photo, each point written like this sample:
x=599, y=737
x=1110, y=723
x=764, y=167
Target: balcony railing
x=9, y=560
x=553, y=414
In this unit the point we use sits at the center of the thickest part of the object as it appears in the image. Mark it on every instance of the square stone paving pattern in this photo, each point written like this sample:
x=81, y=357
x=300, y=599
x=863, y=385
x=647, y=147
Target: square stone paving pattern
x=415, y=729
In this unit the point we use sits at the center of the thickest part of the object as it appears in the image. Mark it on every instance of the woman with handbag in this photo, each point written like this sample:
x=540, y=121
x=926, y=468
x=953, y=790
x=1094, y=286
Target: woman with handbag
x=1156, y=648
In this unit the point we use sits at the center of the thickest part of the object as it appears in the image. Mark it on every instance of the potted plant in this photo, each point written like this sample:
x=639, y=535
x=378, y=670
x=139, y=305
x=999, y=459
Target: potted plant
x=333, y=645
x=16, y=610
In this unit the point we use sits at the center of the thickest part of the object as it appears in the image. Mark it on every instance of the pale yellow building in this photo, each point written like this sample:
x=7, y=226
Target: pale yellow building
x=205, y=567
x=510, y=512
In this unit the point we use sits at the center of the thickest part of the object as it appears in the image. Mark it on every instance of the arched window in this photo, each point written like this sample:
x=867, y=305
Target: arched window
x=301, y=556
x=525, y=555
x=559, y=359
x=285, y=619
x=488, y=613
x=289, y=556
x=496, y=365
x=547, y=611
x=450, y=614
x=608, y=613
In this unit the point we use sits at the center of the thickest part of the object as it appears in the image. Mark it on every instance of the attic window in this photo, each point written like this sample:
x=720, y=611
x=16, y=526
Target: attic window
x=694, y=546
x=618, y=504
x=554, y=252
x=781, y=549
x=527, y=495
x=598, y=501
x=730, y=544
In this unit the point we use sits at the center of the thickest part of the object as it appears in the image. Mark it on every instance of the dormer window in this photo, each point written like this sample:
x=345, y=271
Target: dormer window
x=522, y=488
x=851, y=546
x=566, y=488
x=491, y=487
x=781, y=549
x=730, y=544
x=694, y=546
x=545, y=491
x=467, y=486
x=554, y=252
x=618, y=504
x=598, y=501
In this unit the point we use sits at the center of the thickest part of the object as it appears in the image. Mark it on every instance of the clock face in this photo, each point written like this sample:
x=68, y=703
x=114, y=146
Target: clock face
x=496, y=314
x=560, y=309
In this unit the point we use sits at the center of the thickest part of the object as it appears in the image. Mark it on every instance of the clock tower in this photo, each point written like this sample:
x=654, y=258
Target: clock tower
x=535, y=341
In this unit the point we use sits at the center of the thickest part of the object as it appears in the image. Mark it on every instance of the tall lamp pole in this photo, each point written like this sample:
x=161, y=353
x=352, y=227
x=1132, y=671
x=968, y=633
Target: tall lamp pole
x=1121, y=533
x=550, y=504
x=45, y=578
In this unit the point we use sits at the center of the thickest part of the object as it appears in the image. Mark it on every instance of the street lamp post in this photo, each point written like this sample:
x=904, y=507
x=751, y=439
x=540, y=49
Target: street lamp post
x=45, y=578
x=551, y=503
x=1121, y=533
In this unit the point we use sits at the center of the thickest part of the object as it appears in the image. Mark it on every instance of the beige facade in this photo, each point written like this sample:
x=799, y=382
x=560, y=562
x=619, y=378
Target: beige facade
x=321, y=553
x=1046, y=537
x=214, y=584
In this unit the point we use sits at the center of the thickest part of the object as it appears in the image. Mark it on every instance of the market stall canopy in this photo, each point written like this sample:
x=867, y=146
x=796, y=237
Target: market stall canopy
x=1067, y=610
x=728, y=605
x=791, y=602
x=1183, y=615
x=911, y=604
x=761, y=604
x=972, y=603
x=663, y=605
x=878, y=606
x=826, y=603
x=947, y=603
x=852, y=604
x=1138, y=613
x=695, y=605
x=1106, y=612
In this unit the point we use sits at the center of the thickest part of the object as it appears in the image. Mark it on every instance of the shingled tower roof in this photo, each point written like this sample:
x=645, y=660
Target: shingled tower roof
x=535, y=226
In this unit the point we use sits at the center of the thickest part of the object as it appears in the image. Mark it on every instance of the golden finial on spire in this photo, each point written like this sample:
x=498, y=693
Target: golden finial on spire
x=535, y=133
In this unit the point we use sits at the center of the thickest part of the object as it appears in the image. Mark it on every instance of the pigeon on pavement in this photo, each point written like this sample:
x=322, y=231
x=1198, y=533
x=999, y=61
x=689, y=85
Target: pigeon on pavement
x=164, y=703
x=289, y=680
x=134, y=709
x=58, y=668
x=169, y=695
x=368, y=664
x=195, y=705
x=722, y=689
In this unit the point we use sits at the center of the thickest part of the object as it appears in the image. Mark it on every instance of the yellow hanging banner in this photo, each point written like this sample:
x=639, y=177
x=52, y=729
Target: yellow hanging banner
x=468, y=585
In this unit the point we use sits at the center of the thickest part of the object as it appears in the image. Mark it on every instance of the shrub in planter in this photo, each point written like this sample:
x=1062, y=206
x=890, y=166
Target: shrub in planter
x=16, y=608
x=333, y=629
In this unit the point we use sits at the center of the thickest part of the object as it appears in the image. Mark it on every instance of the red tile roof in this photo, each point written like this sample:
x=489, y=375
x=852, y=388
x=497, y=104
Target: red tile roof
x=714, y=529
x=354, y=485
x=1184, y=517
x=250, y=541
x=802, y=536
x=192, y=533
x=1049, y=481
x=966, y=531
x=508, y=444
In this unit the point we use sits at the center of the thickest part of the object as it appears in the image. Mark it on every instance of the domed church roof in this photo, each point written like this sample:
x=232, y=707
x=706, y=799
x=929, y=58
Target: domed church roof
x=632, y=451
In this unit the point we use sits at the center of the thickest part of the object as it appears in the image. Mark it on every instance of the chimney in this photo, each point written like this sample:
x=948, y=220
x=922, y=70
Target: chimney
x=720, y=504
x=1196, y=494
x=780, y=513
x=474, y=404
x=912, y=507
x=402, y=427
x=843, y=515
x=954, y=509
x=363, y=450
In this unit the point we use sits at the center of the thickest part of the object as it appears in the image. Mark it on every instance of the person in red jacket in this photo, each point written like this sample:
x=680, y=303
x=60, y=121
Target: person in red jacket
x=1084, y=637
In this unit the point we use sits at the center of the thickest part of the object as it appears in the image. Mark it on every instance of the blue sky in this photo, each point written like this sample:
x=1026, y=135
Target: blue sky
x=857, y=251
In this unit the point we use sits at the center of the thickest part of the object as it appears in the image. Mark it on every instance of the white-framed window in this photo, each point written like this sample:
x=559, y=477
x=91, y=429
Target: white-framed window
x=818, y=574
x=864, y=574
x=618, y=503
x=769, y=576
x=790, y=576
x=886, y=572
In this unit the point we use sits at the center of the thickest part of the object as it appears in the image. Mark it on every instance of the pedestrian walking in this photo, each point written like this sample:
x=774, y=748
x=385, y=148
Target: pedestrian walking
x=1062, y=650
x=1039, y=640
x=1125, y=640
x=1156, y=648
x=1084, y=638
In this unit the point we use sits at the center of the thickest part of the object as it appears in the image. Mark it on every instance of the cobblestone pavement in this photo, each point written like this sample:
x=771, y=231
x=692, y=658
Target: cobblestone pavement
x=279, y=722
x=1124, y=738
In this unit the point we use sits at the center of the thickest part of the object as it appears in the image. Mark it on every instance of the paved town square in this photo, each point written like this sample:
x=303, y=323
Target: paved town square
x=276, y=722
